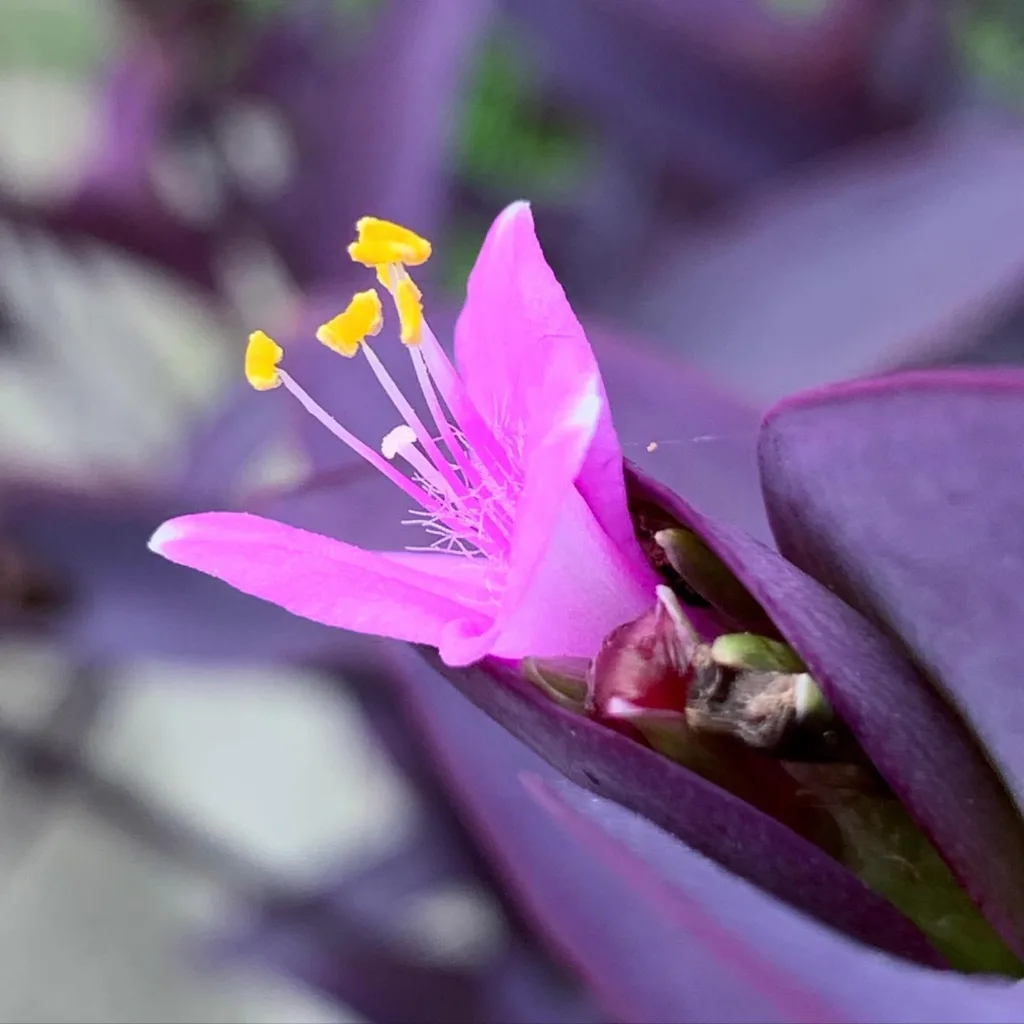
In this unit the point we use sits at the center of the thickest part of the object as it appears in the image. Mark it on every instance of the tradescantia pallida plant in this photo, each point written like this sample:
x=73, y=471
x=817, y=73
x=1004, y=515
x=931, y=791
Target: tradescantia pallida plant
x=787, y=714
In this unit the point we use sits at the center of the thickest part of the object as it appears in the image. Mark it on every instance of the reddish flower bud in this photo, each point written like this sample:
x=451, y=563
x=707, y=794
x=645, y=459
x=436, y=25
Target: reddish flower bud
x=645, y=667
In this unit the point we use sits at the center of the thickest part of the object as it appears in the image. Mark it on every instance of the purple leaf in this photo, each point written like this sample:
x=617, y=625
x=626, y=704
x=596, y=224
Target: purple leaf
x=134, y=106
x=708, y=818
x=319, y=943
x=836, y=273
x=903, y=496
x=712, y=947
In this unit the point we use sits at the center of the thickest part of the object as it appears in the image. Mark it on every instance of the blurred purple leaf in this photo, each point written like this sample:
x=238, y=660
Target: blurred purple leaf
x=711, y=820
x=816, y=56
x=313, y=936
x=319, y=943
x=223, y=444
x=903, y=495
x=346, y=941
x=712, y=947
x=907, y=250
x=150, y=234
x=124, y=602
x=663, y=101
x=370, y=117
x=705, y=437
x=910, y=734
x=133, y=105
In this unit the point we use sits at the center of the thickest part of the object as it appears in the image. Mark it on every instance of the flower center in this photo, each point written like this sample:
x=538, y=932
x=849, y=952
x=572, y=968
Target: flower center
x=464, y=478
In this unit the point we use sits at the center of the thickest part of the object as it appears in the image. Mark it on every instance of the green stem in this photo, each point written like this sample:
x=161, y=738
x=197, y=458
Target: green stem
x=891, y=855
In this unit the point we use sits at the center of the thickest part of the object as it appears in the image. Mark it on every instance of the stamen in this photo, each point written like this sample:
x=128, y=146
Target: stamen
x=395, y=440
x=262, y=356
x=375, y=459
x=484, y=444
x=454, y=446
x=403, y=289
x=381, y=241
x=363, y=317
x=346, y=334
x=409, y=414
x=402, y=441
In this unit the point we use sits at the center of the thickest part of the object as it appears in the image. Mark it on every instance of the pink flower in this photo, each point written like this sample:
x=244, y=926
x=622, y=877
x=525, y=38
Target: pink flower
x=524, y=542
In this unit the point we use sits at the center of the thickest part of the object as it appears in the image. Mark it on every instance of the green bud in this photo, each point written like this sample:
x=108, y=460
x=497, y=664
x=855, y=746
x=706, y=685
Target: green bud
x=748, y=651
x=709, y=577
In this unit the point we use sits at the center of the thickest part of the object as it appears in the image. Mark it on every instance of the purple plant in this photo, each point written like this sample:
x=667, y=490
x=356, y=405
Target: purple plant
x=787, y=672
x=719, y=715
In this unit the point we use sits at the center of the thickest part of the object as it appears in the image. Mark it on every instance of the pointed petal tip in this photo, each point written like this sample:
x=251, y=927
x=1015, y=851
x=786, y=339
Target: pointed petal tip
x=163, y=536
x=512, y=212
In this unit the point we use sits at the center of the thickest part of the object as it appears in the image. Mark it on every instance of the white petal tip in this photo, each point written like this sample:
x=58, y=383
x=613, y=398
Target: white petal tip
x=507, y=216
x=165, y=535
x=668, y=600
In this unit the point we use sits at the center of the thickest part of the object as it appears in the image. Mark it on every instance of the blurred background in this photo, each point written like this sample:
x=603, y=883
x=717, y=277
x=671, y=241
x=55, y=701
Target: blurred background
x=195, y=793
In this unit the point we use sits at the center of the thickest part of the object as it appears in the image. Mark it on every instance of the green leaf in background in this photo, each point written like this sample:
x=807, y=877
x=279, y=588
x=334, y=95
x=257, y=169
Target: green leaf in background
x=800, y=8
x=69, y=36
x=509, y=139
x=510, y=144
x=991, y=35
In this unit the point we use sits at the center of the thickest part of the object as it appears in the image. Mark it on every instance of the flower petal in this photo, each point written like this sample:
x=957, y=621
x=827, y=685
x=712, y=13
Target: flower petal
x=567, y=585
x=516, y=320
x=314, y=576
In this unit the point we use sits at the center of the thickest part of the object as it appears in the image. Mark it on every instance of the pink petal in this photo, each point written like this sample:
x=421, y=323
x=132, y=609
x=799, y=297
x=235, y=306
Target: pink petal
x=316, y=577
x=468, y=573
x=568, y=585
x=515, y=323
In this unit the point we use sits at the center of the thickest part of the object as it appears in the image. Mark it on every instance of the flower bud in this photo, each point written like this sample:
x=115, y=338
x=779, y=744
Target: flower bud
x=765, y=698
x=645, y=667
x=708, y=576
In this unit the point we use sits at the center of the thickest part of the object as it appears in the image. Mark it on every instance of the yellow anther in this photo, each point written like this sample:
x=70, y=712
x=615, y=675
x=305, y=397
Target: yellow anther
x=261, y=358
x=410, y=310
x=362, y=318
x=380, y=241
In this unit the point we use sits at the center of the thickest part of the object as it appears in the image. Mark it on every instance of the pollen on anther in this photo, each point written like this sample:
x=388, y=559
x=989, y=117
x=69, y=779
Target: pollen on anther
x=261, y=358
x=380, y=241
x=408, y=301
x=362, y=318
